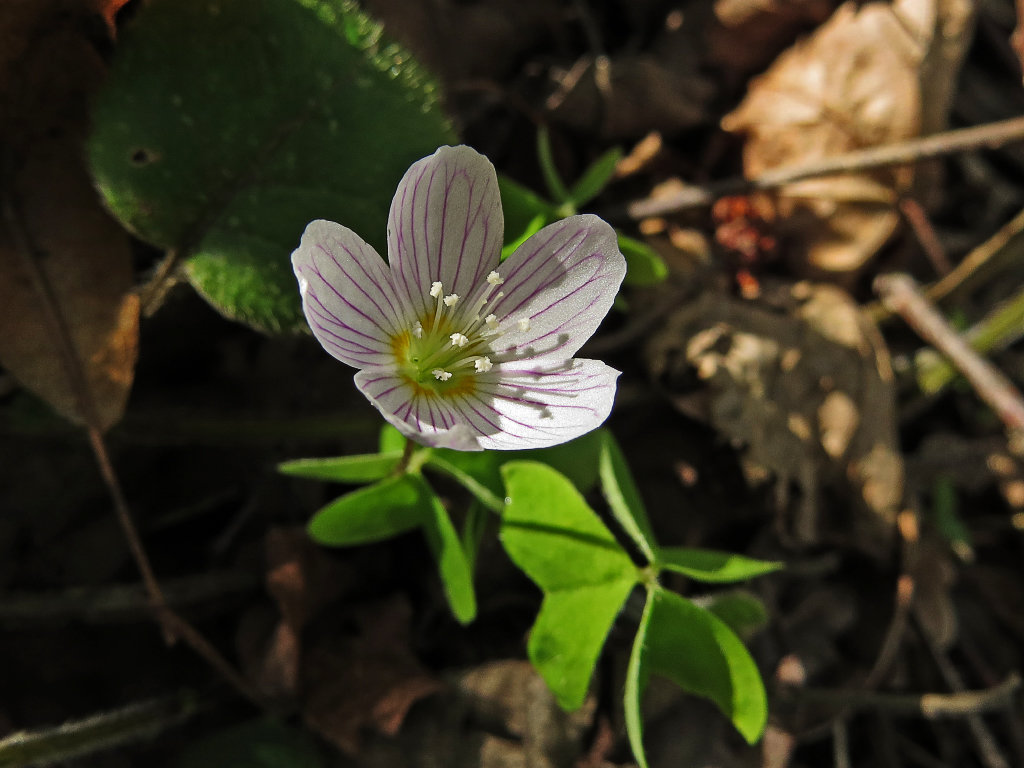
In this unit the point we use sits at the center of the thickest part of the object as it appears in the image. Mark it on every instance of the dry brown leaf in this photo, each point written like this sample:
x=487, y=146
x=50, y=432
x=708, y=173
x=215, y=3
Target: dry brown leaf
x=497, y=715
x=368, y=680
x=874, y=73
x=805, y=386
x=63, y=260
x=302, y=579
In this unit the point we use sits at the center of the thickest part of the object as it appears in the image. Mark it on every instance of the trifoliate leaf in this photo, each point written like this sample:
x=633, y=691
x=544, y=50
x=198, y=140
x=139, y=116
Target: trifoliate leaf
x=699, y=653
x=549, y=531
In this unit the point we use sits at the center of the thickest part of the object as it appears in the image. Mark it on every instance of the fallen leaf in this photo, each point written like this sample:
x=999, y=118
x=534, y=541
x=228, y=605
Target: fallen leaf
x=805, y=386
x=302, y=579
x=874, y=73
x=65, y=265
x=370, y=679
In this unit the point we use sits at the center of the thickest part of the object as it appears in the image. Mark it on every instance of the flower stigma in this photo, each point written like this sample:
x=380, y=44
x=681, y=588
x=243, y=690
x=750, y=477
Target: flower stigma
x=446, y=349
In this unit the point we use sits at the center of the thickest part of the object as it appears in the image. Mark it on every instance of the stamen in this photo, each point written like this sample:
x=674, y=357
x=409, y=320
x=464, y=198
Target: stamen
x=458, y=340
x=483, y=364
x=494, y=279
x=436, y=289
x=524, y=324
x=441, y=375
x=492, y=322
x=451, y=299
x=417, y=330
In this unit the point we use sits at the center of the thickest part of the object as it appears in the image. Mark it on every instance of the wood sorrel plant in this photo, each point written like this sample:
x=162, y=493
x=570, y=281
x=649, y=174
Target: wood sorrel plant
x=460, y=352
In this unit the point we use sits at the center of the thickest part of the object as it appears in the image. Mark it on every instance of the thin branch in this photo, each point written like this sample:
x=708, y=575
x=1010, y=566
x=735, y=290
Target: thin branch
x=120, y=602
x=930, y=706
x=988, y=136
x=900, y=294
x=1001, y=698
x=1007, y=243
x=929, y=241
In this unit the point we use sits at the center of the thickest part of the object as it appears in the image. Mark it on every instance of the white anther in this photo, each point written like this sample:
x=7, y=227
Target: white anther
x=483, y=364
x=436, y=289
x=458, y=340
x=492, y=322
x=494, y=279
x=417, y=330
x=524, y=324
x=451, y=299
x=441, y=375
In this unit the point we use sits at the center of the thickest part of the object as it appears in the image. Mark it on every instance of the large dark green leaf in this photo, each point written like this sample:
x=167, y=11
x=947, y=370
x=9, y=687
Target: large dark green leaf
x=227, y=125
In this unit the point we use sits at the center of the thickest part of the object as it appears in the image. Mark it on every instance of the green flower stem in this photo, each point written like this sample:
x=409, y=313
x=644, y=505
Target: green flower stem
x=546, y=159
x=467, y=481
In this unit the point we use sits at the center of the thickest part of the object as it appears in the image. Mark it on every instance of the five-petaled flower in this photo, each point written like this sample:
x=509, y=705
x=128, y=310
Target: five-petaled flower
x=453, y=347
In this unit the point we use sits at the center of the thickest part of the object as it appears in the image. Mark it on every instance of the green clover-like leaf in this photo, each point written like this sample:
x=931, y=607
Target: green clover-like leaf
x=549, y=531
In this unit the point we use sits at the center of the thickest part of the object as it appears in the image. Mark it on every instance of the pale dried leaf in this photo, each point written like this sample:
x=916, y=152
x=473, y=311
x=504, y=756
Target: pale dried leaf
x=807, y=391
x=874, y=73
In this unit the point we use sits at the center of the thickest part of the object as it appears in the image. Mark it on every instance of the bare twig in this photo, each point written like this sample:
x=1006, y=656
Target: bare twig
x=930, y=706
x=989, y=136
x=997, y=330
x=119, y=602
x=900, y=294
x=1008, y=241
x=975, y=703
x=926, y=237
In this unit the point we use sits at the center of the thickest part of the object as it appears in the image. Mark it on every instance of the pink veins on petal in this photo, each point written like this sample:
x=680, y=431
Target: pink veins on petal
x=453, y=347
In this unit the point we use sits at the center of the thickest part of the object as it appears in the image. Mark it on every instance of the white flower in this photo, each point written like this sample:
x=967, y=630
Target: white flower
x=476, y=367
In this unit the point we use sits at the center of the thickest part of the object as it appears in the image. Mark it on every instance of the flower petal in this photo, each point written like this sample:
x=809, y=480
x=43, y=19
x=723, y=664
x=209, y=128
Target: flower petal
x=347, y=295
x=540, y=406
x=445, y=225
x=417, y=414
x=563, y=280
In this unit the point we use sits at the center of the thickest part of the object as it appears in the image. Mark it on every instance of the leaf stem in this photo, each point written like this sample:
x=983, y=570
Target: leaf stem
x=546, y=159
x=467, y=481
